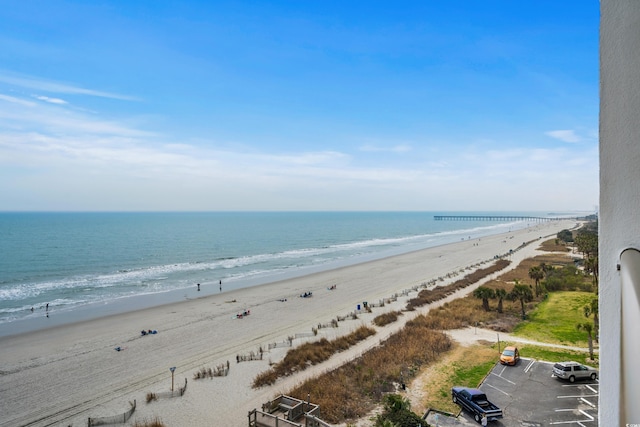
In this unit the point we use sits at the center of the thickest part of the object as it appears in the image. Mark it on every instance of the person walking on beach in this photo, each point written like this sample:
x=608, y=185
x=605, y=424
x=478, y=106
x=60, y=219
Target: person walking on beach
x=198, y=287
x=220, y=285
x=47, y=307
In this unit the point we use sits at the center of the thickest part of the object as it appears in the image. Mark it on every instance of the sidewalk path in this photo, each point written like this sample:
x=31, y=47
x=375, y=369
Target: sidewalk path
x=471, y=335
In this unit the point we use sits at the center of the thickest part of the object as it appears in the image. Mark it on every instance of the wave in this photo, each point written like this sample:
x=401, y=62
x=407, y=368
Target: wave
x=147, y=278
x=16, y=299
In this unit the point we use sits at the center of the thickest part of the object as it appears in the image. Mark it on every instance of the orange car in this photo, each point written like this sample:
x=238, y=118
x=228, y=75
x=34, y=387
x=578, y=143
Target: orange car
x=510, y=356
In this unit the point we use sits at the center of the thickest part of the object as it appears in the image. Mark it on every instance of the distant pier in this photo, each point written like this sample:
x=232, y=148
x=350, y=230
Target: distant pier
x=493, y=218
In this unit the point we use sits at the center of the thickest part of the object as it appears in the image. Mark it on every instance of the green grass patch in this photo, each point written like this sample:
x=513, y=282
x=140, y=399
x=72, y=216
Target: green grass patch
x=464, y=366
x=554, y=320
x=467, y=374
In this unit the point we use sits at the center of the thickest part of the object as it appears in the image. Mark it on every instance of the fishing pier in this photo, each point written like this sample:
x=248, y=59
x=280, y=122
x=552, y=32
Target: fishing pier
x=493, y=218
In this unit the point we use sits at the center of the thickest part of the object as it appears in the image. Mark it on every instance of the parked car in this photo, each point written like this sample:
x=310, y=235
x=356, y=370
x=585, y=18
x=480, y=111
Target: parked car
x=574, y=371
x=510, y=356
x=476, y=403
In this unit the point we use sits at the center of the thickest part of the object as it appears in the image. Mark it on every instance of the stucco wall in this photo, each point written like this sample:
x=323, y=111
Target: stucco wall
x=619, y=193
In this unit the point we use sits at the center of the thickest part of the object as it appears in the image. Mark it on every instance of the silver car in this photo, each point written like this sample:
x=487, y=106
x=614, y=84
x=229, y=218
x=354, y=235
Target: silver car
x=574, y=371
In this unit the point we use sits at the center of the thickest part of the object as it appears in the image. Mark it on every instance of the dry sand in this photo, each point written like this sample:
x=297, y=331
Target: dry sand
x=65, y=375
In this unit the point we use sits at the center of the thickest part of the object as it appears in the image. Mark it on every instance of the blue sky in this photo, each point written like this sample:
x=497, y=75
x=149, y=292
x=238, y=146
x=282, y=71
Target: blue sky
x=283, y=105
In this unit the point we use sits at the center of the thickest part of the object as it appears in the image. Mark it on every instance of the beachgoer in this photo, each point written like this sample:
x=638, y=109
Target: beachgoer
x=198, y=287
x=32, y=309
x=220, y=285
x=47, y=306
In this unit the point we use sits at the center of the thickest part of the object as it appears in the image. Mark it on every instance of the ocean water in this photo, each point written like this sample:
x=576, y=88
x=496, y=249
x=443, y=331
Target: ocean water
x=79, y=261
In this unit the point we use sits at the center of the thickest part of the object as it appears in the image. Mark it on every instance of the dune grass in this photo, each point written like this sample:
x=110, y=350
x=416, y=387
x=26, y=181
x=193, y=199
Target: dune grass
x=353, y=389
x=311, y=353
x=427, y=296
x=468, y=311
x=386, y=318
x=555, y=245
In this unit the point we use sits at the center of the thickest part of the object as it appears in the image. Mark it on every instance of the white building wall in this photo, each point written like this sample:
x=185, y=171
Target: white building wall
x=619, y=206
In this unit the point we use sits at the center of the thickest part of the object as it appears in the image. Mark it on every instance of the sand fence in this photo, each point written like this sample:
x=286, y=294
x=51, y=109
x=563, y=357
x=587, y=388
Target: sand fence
x=167, y=394
x=220, y=370
x=115, y=419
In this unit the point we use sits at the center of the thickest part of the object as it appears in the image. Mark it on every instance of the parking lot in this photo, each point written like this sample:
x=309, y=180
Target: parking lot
x=530, y=397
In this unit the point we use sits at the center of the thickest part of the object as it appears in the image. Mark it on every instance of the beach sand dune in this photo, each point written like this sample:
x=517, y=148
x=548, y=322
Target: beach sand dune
x=64, y=375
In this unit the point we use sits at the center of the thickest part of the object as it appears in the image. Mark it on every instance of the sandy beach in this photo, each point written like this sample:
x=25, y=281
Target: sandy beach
x=64, y=375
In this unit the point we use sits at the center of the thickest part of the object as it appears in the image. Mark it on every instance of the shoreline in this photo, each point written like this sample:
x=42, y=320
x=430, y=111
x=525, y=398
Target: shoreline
x=204, y=331
x=56, y=317
x=73, y=285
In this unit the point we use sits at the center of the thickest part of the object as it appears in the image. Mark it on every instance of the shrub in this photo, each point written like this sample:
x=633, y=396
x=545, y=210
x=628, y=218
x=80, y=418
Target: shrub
x=397, y=412
x=153, y=423
x=566, y=236
x=386, y=318
x=568, y=278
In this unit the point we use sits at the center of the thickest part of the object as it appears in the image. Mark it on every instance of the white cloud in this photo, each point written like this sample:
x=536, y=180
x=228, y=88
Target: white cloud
x=564, y=135
x=15, y=100
x=50, y=100
x=57, y=87
x=400, y=148
x=77, y=160
x=45, y=118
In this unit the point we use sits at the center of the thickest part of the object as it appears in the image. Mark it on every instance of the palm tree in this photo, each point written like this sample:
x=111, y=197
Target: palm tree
x=591, y=266
x=501, y=294
x=587, y=243
x=484, y=294
x=590, y=309
x=588, y=328
x=537, y=274
x=546, y=268
x=521, y=293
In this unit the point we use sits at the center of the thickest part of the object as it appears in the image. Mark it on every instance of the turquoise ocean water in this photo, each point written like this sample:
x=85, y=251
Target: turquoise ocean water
x=82, y=261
